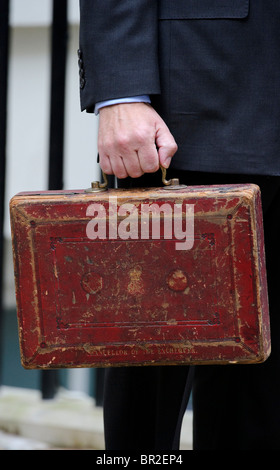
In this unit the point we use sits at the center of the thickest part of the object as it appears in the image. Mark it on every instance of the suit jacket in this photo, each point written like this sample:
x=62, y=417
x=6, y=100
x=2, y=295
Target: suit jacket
x=211, y=67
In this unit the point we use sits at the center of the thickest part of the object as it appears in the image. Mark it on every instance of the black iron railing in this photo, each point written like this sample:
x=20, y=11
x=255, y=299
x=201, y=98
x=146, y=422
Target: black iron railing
x=59, y=36
x=4, y=55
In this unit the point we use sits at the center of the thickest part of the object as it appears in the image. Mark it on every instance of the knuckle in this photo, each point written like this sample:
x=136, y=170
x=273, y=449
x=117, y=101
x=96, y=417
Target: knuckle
x=136, y=173
x=142, y=135
x=118, y=169
x=121, y=174
x=123, y=141
x=106, y=167
x=109, y=147
x=175, y=147
x=104, y=148
x=151, y=166
x=172, y=146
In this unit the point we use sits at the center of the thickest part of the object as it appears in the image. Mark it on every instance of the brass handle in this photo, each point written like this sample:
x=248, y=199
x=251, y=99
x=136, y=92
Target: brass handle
x=173, y=181
x=96, y=186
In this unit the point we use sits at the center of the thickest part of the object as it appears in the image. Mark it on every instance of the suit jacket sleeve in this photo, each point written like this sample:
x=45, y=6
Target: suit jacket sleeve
x=118, y=50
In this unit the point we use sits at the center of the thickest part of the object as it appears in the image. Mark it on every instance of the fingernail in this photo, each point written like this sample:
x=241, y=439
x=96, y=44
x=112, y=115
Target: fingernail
x=167, y=162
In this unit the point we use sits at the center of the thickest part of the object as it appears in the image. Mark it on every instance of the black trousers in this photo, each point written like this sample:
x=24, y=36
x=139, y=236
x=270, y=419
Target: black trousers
x=234, y=406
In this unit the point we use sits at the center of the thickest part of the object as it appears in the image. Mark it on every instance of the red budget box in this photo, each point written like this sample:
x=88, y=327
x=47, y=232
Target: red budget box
x=171, y=275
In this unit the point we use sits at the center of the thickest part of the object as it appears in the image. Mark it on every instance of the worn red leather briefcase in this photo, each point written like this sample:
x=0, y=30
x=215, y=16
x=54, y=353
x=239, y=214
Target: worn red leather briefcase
x=171, y=275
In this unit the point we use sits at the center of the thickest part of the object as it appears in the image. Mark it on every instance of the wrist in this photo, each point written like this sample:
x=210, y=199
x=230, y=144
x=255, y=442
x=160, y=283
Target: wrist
x=131, y=99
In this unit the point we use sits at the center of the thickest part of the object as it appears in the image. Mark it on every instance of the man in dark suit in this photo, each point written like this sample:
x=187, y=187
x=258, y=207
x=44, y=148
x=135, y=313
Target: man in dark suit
x=192, y=85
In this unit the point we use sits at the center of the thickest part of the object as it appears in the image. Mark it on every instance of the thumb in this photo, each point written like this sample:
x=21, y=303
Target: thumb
x=166, y=144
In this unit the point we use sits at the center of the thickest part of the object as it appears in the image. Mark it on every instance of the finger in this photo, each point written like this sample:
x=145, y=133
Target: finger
x=126, y=144
x=166, y=144
x=118, y=167
x=132, y=164
x=111, y=162
x=148, y=158
x=105, y=164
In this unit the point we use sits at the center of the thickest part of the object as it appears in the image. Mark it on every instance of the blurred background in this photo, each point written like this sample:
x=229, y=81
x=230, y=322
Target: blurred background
x=43, y=119
x=46, y=142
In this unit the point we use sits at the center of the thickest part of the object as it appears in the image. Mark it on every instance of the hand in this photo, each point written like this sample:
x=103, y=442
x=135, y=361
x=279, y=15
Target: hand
x=133, y=140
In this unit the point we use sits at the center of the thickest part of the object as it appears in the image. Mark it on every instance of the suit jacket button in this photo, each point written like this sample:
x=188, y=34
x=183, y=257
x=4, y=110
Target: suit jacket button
x=82, y=82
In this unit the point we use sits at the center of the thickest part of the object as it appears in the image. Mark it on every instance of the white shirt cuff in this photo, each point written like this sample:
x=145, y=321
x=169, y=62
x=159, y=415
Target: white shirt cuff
x=131, y=99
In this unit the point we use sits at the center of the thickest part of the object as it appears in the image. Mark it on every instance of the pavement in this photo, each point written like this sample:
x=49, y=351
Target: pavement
x=71, y=421
x=12, y=442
